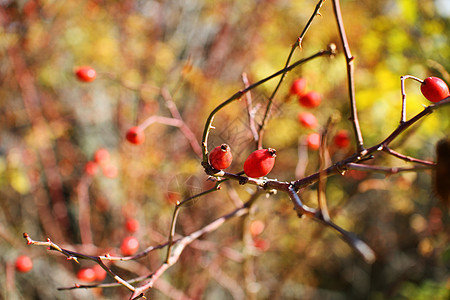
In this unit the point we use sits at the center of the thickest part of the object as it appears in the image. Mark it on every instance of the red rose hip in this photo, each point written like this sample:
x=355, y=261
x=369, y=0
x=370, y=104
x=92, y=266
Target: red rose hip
x=23, y=264
x=132, y=225
x=298, y=87
x=86, y=275
x=91, y=168
x=342, y=139
x=313, y=141
x=220, y=157
x=129, y=246
x=307, y=119
x=100, y=273
x=434, y=89
x=135, y=135
x=85, y=74
x=101, y=156
x=260, y=162
x=310, y=100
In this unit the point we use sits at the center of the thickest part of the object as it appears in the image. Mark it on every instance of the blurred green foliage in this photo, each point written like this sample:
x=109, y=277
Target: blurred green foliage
x=51, y=125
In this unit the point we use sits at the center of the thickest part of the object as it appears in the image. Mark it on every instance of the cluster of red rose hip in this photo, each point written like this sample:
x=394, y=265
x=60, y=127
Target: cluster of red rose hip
x=308, y=120
x=128, y=246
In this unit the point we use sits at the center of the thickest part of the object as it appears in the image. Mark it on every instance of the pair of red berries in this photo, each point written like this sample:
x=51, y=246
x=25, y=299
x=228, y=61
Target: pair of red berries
x=96, y=273
x=434, y=89
x=259, y=163
x=102, y=160
x=306, y=99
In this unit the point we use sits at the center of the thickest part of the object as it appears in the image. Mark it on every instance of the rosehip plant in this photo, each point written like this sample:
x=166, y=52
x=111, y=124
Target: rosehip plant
x=307, y=193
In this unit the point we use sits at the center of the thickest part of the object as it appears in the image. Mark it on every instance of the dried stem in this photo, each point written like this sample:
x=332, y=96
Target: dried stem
x=250, y=110
x=402, y=88
x=183, y=127
x=351, y=86
x=288, y=60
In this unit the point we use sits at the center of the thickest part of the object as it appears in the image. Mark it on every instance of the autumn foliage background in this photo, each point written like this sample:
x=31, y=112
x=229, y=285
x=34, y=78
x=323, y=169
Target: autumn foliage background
x=51, y=124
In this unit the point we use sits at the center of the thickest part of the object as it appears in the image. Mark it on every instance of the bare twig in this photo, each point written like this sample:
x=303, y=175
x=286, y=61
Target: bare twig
x=250, y=110
x=402, y=88
x=183, y=127
x=351, y=85
x=298, y=43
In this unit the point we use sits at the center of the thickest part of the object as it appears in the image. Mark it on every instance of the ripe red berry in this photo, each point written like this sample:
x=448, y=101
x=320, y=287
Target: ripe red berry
x=85, y=74
x=91, y=168
x=307, y=119
x=434, y=89
x=310, y=100
x=135, y=135
x=220, y=157
x=132, y=225
x=256, y=227
x=100, y=273
x=298, y=87
x=129, y=246
x=313, y=141
x=342, y=139
x=260, y=162
x=261, y=244
x=86, y=274
x=101, y=156
x=23, y=264
x=110, y=171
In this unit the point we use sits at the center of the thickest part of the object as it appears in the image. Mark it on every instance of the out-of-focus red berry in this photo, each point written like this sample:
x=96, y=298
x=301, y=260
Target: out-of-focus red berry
x=256, y=227
x=86, y=275
x=101, y=156
x=85, y=73
x=310, y=100
x=307, y=119
x=110, y=171
x=100, y=273
x=132, y=225
x=135, y=135
x=23, y=264
x=342, y=139
x=298, y=87
x=313, y=141
x=91, y=168
x=129, y=246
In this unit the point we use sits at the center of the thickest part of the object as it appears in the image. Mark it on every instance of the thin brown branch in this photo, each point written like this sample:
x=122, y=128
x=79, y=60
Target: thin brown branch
x=351, y=85
x=407, y=158
x=250, y=110
x=190, y=136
